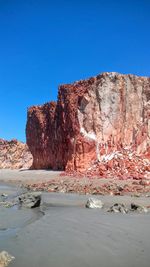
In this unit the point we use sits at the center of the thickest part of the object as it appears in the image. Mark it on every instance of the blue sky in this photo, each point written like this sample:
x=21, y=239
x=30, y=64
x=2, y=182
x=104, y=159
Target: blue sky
x=47, y=43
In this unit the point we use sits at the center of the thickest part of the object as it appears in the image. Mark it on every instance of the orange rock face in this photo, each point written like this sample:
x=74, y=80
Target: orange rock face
x=14, y=155
x=91, y=122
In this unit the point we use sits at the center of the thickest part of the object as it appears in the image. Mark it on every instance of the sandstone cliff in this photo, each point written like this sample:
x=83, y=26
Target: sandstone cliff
x=94, y=121
x=14, y=155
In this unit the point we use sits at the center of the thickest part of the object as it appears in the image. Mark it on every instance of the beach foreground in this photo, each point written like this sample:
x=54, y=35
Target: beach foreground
x=62, y=232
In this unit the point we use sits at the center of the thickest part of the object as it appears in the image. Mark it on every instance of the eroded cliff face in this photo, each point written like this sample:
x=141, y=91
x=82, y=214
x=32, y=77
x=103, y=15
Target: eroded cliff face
x=40, y=135
x=91, y=122
x=14, y=155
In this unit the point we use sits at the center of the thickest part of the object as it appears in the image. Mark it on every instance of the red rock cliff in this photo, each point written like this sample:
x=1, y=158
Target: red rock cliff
x=91, y=121
x=14, y=155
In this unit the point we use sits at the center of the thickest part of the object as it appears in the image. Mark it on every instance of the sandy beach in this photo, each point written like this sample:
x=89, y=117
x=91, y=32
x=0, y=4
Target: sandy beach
x=24, y=176
x=63, y=233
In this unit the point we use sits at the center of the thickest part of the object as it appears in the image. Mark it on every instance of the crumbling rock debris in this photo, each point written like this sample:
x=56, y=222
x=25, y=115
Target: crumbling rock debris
x=92, y=186
x=99, y=126
x=14, y=155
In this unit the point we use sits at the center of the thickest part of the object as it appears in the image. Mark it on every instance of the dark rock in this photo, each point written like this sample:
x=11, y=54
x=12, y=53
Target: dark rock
x=138, y=208
x=118, y=208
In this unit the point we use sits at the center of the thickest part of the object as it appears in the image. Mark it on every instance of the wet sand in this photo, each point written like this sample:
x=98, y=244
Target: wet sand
x=69, y=235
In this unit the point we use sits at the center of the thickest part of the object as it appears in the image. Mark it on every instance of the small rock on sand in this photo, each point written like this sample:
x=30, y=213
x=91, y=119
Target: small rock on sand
x=94, y=203
x=5, y=258
x=138, y=208
x=118, y=208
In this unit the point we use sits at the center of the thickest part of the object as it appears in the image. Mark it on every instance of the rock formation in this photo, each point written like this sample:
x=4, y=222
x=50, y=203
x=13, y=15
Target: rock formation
x=14, y=155
x=94, y=121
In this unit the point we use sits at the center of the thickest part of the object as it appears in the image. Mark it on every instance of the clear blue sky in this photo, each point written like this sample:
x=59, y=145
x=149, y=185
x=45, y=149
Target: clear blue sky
x=46, y=43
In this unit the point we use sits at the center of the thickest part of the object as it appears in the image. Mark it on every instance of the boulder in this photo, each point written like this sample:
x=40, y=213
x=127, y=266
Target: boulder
x=30, y=200
x=93, y=203
x=118, y=207
x=138, y=208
